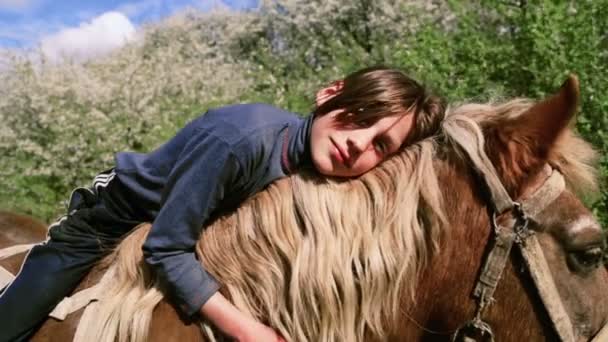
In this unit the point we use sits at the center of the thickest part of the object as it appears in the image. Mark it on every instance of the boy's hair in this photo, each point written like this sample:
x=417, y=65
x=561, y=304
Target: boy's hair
x=377, y=92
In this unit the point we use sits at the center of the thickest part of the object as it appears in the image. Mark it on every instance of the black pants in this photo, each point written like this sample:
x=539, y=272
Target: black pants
x=54, y=268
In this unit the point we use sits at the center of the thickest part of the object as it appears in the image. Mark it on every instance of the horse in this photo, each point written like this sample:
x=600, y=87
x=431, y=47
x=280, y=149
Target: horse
x=398, y=253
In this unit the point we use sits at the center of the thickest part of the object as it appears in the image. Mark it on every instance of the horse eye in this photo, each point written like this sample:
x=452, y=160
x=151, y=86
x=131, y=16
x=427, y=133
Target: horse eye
x=586, y=260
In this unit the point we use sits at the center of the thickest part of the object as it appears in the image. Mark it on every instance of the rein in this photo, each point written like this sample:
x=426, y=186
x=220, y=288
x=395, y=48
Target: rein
x=514, y=231
x=6, y=277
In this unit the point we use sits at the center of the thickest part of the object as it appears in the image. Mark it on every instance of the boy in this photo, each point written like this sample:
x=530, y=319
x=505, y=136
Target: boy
x=209, y=167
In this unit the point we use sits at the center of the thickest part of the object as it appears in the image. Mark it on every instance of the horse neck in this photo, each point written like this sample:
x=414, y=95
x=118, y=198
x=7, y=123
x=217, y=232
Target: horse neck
x=443, y=298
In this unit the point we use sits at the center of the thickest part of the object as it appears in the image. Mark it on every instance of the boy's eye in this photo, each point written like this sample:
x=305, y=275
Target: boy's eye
x=380, y=147
x=365, y=123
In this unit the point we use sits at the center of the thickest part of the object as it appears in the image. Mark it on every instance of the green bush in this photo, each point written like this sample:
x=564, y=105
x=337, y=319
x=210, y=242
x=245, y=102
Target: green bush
x=526, y=49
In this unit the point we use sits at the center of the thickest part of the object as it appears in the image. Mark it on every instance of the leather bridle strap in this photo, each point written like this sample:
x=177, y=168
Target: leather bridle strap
x=535, y=259
x=545, y=195
x=465, y=133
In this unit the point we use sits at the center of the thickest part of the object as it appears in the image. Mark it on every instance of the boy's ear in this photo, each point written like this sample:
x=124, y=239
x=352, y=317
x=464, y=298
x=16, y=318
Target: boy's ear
x=328, y=92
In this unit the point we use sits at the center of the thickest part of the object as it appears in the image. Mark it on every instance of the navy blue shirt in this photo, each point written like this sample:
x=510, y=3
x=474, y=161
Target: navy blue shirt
x=212, y=164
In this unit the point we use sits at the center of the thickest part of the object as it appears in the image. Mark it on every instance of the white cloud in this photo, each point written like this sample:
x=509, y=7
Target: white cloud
x=91, y=39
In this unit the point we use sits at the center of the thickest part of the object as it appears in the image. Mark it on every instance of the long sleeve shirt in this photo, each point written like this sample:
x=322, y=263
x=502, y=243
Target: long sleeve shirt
x=211, y=165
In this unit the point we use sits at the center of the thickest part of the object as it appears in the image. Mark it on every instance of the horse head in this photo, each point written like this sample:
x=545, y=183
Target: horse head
x=526, y=145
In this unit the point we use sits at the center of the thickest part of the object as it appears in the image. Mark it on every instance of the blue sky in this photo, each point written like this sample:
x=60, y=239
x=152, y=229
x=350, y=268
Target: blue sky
x=27, y=23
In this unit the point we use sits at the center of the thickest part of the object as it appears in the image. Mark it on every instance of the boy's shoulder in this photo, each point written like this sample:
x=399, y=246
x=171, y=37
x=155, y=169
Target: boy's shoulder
x=235, y=122
x=251, y=115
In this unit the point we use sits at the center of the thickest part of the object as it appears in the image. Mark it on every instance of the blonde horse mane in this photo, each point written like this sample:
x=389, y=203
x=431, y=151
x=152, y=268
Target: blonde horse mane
x=323, y=259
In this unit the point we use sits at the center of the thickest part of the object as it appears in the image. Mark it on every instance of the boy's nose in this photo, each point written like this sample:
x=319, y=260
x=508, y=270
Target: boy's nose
x=358, y=142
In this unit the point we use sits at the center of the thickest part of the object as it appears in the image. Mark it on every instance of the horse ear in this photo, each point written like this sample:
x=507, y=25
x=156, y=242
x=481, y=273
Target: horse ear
x=522, y=146
x=544, y=122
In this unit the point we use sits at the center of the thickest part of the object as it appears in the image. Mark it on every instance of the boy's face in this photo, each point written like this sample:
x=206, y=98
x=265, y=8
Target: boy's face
x=350, y=149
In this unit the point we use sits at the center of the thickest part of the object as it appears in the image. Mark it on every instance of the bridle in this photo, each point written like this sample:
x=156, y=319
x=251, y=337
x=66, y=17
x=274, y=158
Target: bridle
x=514, y=231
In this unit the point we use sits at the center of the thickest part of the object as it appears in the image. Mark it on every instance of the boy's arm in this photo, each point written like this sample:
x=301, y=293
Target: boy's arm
x=197, y=184
x=205, y=169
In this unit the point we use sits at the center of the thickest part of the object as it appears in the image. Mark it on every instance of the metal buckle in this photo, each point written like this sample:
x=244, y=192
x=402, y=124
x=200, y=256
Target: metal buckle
x=474, y=330
x=520, y=228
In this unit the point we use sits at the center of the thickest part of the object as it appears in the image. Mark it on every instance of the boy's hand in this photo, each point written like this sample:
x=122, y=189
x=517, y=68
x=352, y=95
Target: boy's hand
x=256, y=331
x=235, y=323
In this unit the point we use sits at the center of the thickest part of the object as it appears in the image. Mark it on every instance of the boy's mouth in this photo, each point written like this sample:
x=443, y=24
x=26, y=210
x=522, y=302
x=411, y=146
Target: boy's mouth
x=340, y=155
